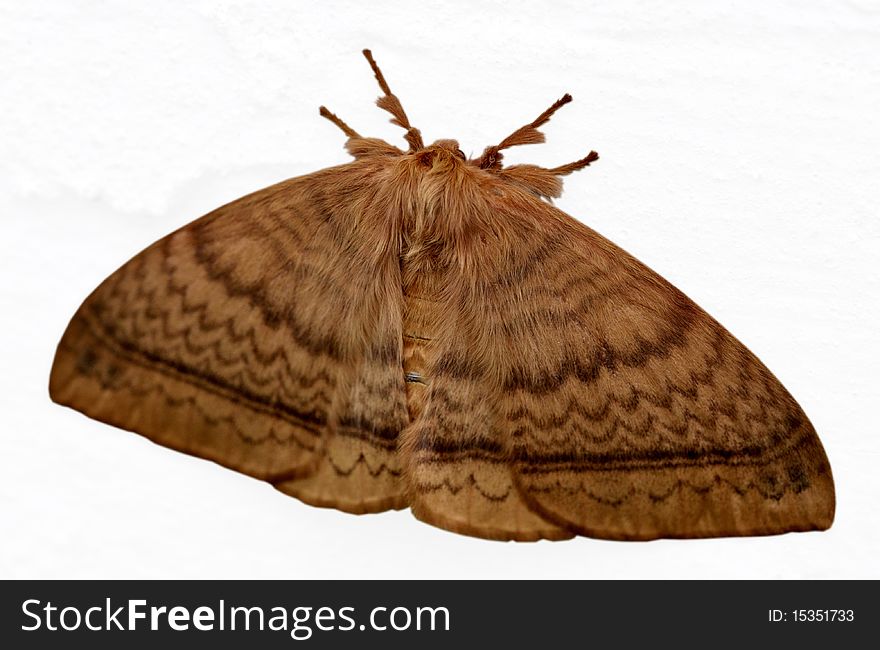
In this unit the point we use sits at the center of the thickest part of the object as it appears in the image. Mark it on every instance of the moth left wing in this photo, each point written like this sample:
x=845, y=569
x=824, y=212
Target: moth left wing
x=261, y=336
x=577, y=392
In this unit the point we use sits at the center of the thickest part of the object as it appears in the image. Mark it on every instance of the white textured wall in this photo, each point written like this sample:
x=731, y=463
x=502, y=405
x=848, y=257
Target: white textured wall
x=740, y=147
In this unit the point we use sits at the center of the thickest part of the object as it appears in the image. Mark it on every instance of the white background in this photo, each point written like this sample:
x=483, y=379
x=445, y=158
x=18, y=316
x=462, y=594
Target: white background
x=740, y=158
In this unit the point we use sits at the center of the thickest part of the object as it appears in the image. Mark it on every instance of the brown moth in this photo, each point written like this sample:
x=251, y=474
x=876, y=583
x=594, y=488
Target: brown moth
x=416, y=329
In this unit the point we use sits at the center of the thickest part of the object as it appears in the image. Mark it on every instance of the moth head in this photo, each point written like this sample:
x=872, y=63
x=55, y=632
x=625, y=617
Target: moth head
x=442, y=151
x=541, y=181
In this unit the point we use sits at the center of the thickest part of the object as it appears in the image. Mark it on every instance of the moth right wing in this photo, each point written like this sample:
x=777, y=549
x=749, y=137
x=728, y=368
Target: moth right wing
x=261, y=336
x=568, y=389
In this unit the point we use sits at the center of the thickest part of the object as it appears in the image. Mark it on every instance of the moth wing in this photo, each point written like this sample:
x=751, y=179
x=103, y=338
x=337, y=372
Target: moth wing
x=260, y=337
x=581, y=384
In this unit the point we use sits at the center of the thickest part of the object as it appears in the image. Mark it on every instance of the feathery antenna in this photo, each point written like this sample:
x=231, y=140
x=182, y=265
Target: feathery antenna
x=527, y=134
x=391, y=103
x=564, y=170
x=346, y=129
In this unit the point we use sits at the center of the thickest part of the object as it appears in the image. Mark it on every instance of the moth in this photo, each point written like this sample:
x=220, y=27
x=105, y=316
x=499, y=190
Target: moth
x=419, y=329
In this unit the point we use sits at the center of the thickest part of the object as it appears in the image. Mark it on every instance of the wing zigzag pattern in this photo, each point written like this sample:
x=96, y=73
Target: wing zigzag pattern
x=412, y=329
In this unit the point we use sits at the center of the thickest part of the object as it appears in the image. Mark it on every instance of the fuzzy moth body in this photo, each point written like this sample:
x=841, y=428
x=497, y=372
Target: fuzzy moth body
x=416, y=329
